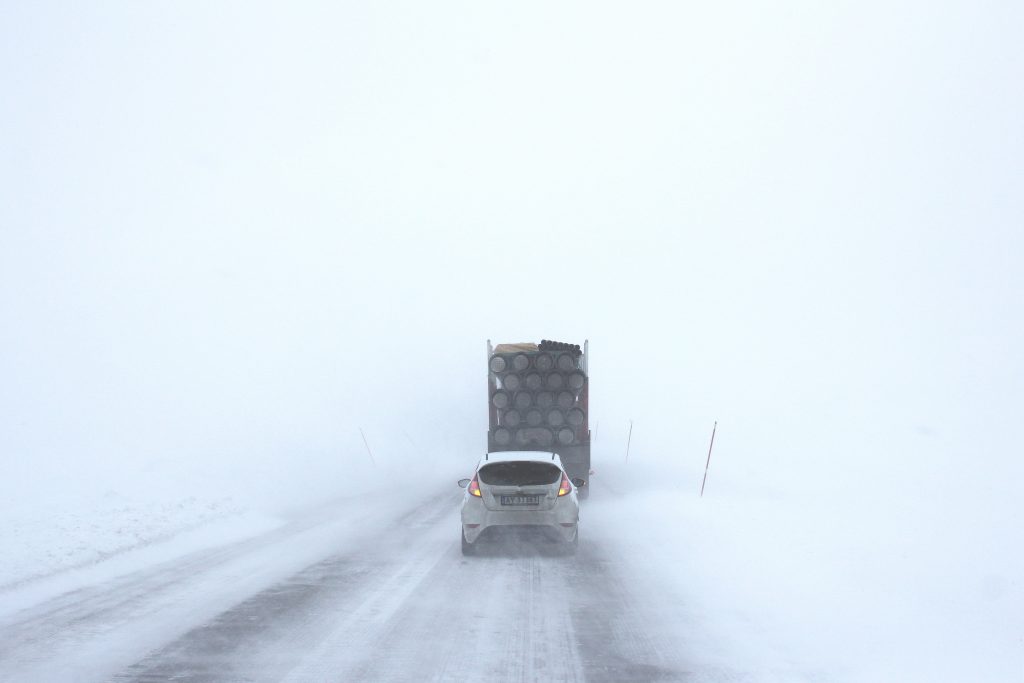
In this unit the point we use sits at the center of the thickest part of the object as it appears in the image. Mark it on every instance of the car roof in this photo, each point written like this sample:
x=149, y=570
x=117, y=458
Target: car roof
x=510, y=456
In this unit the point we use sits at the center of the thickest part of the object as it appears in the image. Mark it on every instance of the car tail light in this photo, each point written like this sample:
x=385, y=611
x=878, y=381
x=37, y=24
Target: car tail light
x=474, y=488
x=563, y=489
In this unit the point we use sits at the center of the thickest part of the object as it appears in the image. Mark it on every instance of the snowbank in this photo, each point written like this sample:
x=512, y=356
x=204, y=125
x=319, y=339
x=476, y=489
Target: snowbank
x=791, y=585
x=69, y=519
x=75, y=532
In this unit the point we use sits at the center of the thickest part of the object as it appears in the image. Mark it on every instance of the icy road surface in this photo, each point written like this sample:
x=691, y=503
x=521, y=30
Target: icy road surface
x=330, y=598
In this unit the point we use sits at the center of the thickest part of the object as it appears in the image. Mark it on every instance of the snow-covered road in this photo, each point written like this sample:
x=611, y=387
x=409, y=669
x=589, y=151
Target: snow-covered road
x=346, y=596
x=373, y=587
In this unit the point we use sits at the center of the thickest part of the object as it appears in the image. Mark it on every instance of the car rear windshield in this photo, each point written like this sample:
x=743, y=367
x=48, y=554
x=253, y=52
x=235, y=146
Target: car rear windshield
x=519, y=473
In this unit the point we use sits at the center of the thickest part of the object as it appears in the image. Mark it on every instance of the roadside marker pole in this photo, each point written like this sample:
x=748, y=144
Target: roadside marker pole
x=628, y=439
x=708, y=463
x=366, y=443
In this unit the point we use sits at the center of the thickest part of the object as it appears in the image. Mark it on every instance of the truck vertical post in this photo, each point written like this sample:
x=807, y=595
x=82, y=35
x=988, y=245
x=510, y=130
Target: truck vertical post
x=492, y=411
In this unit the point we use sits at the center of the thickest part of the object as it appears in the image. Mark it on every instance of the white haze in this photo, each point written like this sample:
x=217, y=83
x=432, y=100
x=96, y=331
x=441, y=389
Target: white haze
x=232, y=236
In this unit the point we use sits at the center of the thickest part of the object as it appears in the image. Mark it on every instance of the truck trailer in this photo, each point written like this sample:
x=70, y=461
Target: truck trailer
x=538, y=400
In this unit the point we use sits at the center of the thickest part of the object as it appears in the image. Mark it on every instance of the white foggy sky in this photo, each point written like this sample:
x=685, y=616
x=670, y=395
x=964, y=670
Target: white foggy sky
x=236, y=228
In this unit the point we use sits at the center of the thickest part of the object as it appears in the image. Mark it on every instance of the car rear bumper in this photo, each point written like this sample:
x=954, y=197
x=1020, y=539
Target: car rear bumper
x=558, y=523
x=522, y=533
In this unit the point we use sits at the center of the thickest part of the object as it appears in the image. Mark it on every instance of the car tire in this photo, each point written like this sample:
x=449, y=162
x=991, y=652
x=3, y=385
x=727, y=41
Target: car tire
x=572, y=546
x=467, y=547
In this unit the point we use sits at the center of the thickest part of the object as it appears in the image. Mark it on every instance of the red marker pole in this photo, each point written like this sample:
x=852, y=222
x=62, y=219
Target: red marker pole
x=708, y=464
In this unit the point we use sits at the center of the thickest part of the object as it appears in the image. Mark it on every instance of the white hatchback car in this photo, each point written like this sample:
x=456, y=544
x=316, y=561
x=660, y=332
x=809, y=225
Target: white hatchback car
x=516, y=491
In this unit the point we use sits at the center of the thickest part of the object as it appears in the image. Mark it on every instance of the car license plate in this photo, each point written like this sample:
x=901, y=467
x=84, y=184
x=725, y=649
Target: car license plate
x=520, y=500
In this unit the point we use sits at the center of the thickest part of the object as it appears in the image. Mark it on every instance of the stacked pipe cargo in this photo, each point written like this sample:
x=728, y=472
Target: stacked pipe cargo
x=538, y=396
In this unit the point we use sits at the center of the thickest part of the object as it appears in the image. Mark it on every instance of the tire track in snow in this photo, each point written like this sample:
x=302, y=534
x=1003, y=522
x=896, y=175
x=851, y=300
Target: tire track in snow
x=90, y=633
x=264, y=637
